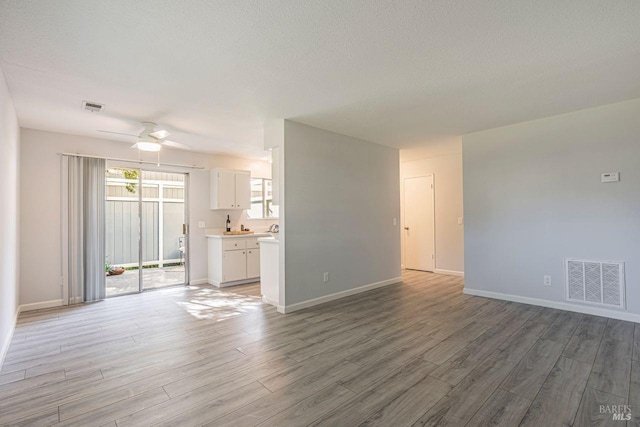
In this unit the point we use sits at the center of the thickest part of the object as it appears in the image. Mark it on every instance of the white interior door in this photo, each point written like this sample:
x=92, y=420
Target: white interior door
x=419, y=224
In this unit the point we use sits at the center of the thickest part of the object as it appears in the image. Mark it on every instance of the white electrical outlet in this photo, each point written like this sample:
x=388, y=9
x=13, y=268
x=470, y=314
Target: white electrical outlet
x=201, y=224
x=547, y=280
x=395, y=222
x=325, y=277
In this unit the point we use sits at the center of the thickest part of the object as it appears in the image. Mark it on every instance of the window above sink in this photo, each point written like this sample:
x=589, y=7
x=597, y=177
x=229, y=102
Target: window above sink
x=262, y=206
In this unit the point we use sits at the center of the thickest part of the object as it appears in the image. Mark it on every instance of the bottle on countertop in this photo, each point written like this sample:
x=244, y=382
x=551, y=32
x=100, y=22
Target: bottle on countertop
x=228, y=224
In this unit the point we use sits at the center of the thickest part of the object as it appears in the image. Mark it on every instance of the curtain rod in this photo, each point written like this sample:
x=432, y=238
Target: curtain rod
x=131, y=161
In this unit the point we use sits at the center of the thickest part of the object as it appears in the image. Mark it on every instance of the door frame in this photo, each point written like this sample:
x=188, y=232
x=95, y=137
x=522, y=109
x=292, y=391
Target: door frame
x=404, y=217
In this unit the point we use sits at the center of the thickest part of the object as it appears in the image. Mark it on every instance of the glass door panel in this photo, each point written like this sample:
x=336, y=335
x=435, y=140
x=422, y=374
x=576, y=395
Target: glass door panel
x=122, y=230
x=163, y=236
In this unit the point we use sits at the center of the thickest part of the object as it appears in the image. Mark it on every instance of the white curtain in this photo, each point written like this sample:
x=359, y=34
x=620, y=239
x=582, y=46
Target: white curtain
x=86, y=195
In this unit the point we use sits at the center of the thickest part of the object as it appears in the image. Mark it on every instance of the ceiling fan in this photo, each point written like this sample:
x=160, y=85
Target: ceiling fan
x=151, y=139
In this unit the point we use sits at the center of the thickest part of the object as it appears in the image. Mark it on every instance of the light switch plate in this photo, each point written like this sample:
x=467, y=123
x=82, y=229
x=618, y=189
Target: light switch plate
x=610, y=177
x=460, y=220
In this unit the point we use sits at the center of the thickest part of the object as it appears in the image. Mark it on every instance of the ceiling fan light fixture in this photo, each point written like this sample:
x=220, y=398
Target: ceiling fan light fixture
x=148, y=146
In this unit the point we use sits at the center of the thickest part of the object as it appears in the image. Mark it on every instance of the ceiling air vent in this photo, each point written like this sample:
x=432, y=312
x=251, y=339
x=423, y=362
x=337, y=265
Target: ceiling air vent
x=94, y=107
x=596, y=282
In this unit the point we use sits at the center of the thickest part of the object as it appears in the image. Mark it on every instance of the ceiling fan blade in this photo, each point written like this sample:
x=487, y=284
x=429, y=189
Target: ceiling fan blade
x=160, y=134
x=176, y=145
x=117, y=133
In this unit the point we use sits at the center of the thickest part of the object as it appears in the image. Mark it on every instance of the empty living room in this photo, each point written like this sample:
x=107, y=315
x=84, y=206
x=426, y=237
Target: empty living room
x=319, y=213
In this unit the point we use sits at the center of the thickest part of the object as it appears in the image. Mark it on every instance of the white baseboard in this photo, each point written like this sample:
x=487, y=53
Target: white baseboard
x=41, y=305
x=560, y=305
x=199, y=281
x=449, y=272
x=331, y=297
x=7, y=342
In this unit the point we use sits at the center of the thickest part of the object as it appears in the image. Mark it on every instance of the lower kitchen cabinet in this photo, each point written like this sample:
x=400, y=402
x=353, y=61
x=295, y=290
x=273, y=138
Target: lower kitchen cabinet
x=233, y=260
x=234, y=266
x=253, y=262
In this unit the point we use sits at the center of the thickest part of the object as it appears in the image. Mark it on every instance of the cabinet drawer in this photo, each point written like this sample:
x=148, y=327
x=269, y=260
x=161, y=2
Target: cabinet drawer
x=252, y=242
x=233, y=244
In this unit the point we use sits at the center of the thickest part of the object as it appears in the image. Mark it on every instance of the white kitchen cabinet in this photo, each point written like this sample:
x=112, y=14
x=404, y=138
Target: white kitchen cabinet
x=230, y=189
x=243, y=190
x=233, y=260
x=253, y=262
x=234, y=265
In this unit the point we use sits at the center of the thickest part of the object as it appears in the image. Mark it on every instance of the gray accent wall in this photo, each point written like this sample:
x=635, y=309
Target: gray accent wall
x=341, y=196
x=533, y=197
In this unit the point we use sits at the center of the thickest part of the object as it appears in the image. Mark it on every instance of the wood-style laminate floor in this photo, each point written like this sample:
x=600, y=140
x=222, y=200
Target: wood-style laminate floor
x=416, y=353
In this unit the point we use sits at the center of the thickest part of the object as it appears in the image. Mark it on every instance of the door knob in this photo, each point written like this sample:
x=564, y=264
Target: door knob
x=406, y=228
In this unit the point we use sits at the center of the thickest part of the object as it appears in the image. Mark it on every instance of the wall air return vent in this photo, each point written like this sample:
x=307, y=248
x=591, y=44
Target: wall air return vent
x=596, y=282
x=94, y=107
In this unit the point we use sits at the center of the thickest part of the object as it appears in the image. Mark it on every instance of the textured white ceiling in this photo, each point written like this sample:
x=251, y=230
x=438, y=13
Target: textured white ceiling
x=400, y=73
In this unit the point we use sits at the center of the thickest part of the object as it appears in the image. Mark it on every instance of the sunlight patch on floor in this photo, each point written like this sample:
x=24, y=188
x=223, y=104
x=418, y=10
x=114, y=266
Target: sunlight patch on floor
x=220, y=305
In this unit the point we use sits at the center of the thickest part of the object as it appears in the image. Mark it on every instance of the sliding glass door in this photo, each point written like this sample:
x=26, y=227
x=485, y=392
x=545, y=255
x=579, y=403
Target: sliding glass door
x=145, y=233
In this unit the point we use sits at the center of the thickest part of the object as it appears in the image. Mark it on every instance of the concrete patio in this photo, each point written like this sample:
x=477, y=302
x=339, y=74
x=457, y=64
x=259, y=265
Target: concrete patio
x=128, y=282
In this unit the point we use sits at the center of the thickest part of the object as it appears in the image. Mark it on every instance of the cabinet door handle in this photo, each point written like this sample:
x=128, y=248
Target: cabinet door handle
x=242, y=252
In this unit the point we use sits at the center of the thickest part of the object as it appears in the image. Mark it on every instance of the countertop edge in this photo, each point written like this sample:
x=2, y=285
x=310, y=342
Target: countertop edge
x=236, y=236
x=270, y=240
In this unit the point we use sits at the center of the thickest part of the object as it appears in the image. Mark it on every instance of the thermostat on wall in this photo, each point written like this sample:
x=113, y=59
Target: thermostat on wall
x=610, y=177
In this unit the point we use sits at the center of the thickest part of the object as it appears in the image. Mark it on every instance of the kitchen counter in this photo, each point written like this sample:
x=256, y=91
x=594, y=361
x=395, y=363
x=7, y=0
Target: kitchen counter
x=237, y=236
x=270, y=239
x=233, y=259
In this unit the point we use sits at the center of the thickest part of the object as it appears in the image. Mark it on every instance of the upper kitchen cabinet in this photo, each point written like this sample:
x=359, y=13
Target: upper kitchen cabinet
x=230, y=189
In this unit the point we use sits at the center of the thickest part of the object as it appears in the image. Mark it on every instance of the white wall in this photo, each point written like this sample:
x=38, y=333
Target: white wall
x=447, y=171
x=274, y=140
x=341, y=195
x=9, y=216
x=41, y=211
x=432, y=148
x=533, y=196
